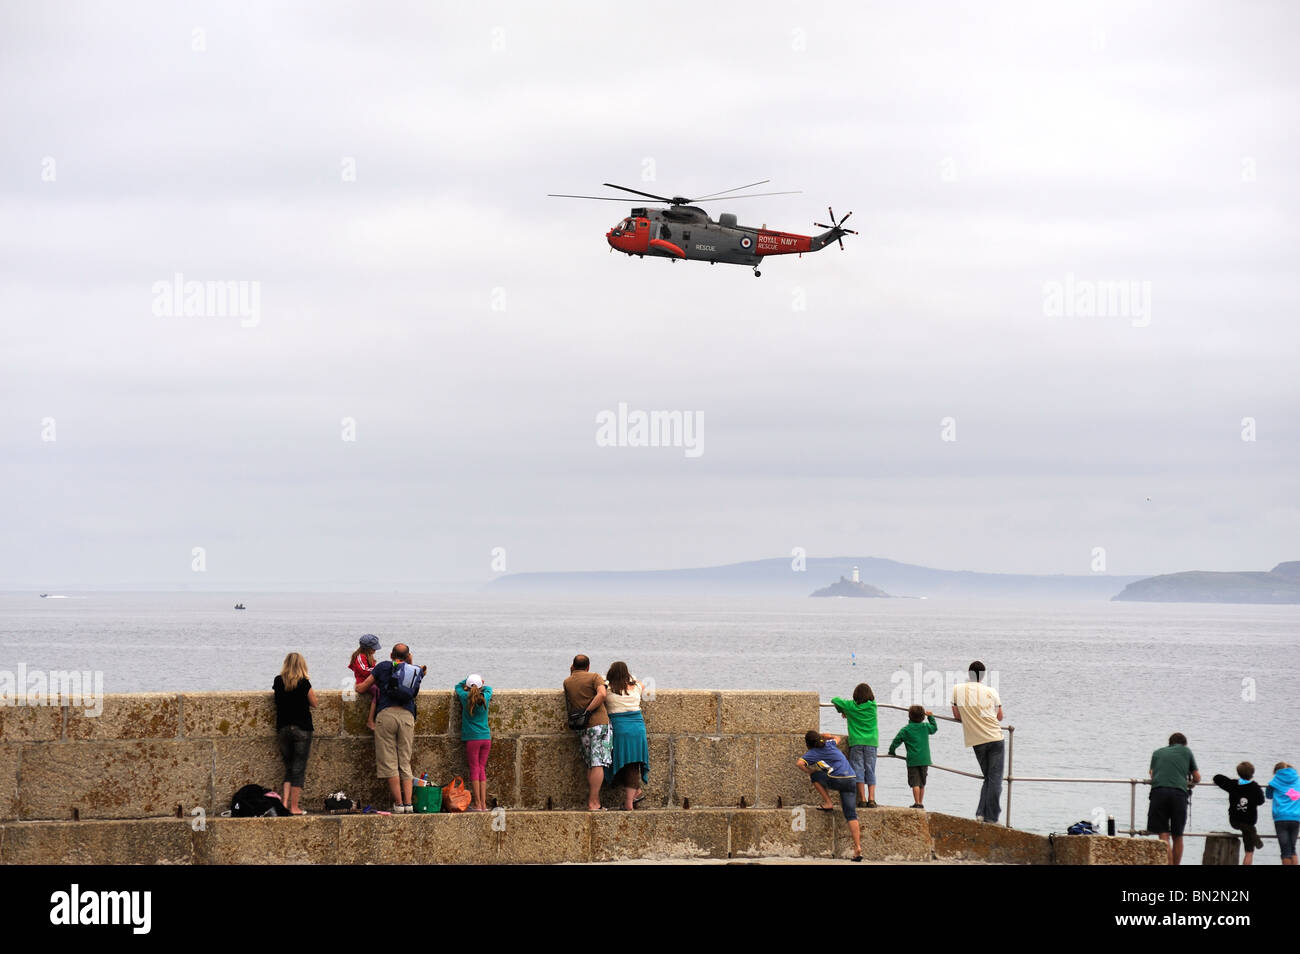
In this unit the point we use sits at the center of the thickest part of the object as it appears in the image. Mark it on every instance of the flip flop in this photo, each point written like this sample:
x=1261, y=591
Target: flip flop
x=826, y=808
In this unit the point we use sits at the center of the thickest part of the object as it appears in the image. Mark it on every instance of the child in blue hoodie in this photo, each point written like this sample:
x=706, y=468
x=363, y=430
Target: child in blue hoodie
x=1284, y=792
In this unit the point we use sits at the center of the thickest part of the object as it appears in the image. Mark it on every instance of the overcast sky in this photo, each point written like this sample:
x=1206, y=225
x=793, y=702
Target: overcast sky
x=380, y=172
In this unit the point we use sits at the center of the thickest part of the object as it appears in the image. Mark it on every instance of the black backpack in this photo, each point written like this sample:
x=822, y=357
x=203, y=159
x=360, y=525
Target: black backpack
x=254, y=801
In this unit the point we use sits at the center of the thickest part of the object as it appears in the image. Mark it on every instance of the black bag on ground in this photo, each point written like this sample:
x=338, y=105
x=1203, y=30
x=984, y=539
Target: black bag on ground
x=256, y=801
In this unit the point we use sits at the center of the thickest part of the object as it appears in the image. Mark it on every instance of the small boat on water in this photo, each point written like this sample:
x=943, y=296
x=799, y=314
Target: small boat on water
x=45, y=596
x=239, y=606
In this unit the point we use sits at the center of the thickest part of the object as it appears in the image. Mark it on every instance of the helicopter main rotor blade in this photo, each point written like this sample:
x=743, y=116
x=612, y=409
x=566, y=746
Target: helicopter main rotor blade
x=756, y=195
x=658, y=198
x=602, y=198
x=713, y=195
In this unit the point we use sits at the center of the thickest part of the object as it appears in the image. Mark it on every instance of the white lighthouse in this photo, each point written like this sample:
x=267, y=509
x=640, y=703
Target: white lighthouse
x=855, y=575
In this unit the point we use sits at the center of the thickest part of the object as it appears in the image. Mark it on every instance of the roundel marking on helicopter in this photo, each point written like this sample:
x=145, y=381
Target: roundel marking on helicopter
x=746, y=241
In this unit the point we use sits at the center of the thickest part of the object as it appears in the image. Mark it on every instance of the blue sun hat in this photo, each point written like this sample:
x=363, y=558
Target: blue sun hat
x=370, y=641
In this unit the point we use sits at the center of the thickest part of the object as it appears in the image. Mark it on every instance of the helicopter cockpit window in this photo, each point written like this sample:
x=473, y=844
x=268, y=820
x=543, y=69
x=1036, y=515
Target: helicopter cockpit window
x=626, y=225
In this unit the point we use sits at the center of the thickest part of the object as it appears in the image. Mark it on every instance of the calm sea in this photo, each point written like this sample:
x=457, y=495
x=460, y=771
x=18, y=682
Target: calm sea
x=1091, y=687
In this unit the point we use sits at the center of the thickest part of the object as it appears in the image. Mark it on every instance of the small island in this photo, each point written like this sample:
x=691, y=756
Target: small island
x=1279, y=585
x=854, y=587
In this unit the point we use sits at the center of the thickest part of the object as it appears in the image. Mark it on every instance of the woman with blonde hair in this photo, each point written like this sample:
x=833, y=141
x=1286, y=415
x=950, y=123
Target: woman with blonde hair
x=294, y=700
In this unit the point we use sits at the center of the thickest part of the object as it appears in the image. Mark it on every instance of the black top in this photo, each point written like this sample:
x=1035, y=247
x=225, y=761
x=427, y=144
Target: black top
x=1242, y=800
x=292, y=708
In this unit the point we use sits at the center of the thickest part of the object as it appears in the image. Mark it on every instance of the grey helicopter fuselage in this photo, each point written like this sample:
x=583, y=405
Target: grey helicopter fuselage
x=687, y=232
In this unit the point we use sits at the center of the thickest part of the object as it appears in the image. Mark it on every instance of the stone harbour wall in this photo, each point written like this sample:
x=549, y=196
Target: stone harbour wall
x=157, y=755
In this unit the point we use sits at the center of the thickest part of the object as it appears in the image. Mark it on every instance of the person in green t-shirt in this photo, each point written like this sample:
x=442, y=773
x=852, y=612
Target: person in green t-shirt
x=916, y=737
x=864, y=739
x=1172, y=768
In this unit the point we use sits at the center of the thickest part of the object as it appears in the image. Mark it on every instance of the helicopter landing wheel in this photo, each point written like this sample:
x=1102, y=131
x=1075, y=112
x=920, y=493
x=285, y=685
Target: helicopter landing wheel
x=757, y=273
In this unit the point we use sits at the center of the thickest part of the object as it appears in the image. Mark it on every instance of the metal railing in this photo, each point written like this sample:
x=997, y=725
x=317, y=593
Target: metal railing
x=1010, y=777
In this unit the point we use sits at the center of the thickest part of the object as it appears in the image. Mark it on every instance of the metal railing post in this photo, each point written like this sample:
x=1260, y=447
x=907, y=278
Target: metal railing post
x=1132, y=807
x=1011, y=751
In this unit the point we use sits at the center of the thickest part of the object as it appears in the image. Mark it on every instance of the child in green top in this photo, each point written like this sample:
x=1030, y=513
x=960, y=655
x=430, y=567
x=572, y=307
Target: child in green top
x=864, y=739
x=916, y=736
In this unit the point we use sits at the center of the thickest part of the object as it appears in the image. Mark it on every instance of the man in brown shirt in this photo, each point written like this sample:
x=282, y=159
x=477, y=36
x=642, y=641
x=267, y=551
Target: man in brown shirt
x=585, y=690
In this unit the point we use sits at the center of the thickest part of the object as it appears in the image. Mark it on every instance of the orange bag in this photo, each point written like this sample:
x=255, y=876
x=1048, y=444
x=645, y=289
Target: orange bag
x=455, y=796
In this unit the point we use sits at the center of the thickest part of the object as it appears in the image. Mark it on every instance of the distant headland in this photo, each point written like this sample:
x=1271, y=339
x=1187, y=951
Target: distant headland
x=784, y=576
x=1279, y=585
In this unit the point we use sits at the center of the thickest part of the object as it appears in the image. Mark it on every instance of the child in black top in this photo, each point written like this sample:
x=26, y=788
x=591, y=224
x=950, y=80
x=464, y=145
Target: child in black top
x=1243, y=798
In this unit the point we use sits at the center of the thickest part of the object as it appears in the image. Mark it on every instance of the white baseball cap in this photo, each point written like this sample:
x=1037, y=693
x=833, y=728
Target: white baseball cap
x=474, y=679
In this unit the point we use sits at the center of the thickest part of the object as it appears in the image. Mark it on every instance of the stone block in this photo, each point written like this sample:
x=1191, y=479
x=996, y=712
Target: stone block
x=967, y=839
x=139, y=842
x=433, y=713
x=682, y=712
x=227, y=715
x=888, y=834
x=31, y=723
x=713, y=772
x=508, y=837
x=143, y=715
x=304, y=840
x=550, y=767
x=768, y=712
x=519, y=712
x=1104, y=850
x=535, y=838
x=10, y=754
x=779, y=777
x=114, y=779
x=799, y=832
x=620, y=835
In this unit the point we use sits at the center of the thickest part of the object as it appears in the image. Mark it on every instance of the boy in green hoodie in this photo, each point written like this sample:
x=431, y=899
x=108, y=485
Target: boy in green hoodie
x=916, y=737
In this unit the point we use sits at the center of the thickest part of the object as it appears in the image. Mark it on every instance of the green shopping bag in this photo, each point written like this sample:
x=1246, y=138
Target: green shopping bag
x=427, y=799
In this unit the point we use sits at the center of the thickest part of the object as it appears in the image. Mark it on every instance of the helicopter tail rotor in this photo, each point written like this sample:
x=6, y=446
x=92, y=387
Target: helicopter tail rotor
x=837, y=231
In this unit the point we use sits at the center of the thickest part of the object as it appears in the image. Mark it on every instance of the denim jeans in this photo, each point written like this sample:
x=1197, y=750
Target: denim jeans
x=991, y=757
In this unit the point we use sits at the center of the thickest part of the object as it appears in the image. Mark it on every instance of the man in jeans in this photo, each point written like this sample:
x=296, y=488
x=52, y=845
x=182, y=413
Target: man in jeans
x=585, y=690
x=394, y=729
x=979, y=710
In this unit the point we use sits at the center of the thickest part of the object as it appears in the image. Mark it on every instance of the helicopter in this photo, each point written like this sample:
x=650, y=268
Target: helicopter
x=684, y=231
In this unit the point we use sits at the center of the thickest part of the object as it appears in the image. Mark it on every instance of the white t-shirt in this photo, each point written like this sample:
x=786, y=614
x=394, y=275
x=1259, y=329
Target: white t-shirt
x=630, y=702
x=978, y=706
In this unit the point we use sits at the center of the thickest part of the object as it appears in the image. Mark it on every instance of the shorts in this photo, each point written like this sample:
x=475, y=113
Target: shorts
x=1167, y=812
x=394, y=737
x=863, y=760
x=1286, y=836
x=847, y=786
x=1250, y=839
x=597, y=743
x=916, y=775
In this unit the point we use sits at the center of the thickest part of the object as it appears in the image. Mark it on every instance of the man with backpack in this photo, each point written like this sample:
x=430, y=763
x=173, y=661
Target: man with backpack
x=399, y=683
